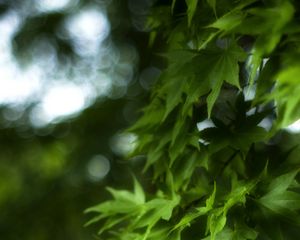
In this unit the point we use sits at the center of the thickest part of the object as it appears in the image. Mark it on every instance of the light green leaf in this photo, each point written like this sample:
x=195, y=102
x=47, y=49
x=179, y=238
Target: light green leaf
x=122, y=195
x=138, y=192
x=212, y=97
x=229, y=21
x=225, y=234
x=216, y=222
x=157, y=209
x=211, y=200
x=192, y=6
x=170, y=183
x=111, y=222
x=286, y=94
x=113, y=207
x=218, y=217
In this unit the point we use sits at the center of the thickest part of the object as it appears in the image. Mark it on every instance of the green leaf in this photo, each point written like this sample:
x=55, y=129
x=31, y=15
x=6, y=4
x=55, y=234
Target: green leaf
x=173, y=5
x=176, y=77
x=174, y=95
x=113, y=207
x=184, y=168
x=243, y=232
x=240, y=232
x=229, y=21
x=286, y=94
x=216, y=222
x=192, y=6
x=111, y=222
x=243, y=138
x=153, y=156
x=281, y=183
x=218, y=217
x=138, y=192
x=199, y=211
x=155, y=210
x=212, y=4
x=254, y=64
x=212, y=97
x=279, y=200
x=226, y=68
x=194, y=90
x=152, y=117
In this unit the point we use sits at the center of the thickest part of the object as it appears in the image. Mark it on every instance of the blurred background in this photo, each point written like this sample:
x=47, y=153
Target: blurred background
x=73, y=74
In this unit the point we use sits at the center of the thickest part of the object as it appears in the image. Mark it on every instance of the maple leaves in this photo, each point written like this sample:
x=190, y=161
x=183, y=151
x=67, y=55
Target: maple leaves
x=207, y=179
x=135, y=210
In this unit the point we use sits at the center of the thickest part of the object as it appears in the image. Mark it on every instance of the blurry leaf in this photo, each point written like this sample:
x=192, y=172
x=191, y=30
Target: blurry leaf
x=243, y=232
x=170, y=183
x=180, y=63
x=216, y=222
x=152, y=38
x=226, y=68
x=184, y=169
x=218, y=217
x=281, y=201
x=153, y=156
x=139, y=192
x=254, y=64
x=155, y=210
x=240, y=232
x=192, y=6
x=199, y=211
x=153, y=115
x=194, y=90
x=243, y=138
x=286, y=94
x=212, y=4
x=174, y=95
x=177, y=149
x=281, y=183
x=179, y=128
x=212, y=97
x=228, y=22
x=173, y=5
x=265, y=79
x=111, y=222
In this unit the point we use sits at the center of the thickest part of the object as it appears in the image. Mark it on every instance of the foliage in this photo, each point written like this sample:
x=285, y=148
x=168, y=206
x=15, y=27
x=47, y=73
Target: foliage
x=220, y=180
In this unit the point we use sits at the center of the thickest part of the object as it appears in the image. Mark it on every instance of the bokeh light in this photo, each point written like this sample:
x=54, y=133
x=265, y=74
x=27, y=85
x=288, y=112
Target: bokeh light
x=294, y=127
x=59, y=86
x=98, y=167
x=87, y=29
x=123, y=143
x=54, y=5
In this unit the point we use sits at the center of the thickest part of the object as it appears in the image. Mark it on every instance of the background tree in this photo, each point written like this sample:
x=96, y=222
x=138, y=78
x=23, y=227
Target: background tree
x=218, y=161
x=50, y=173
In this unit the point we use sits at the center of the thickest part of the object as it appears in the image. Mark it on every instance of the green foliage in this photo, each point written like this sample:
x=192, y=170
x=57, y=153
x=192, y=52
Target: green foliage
x=221, y=181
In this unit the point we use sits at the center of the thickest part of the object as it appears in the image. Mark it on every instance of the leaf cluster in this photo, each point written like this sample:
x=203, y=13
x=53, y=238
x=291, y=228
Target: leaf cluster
x=229, y=88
